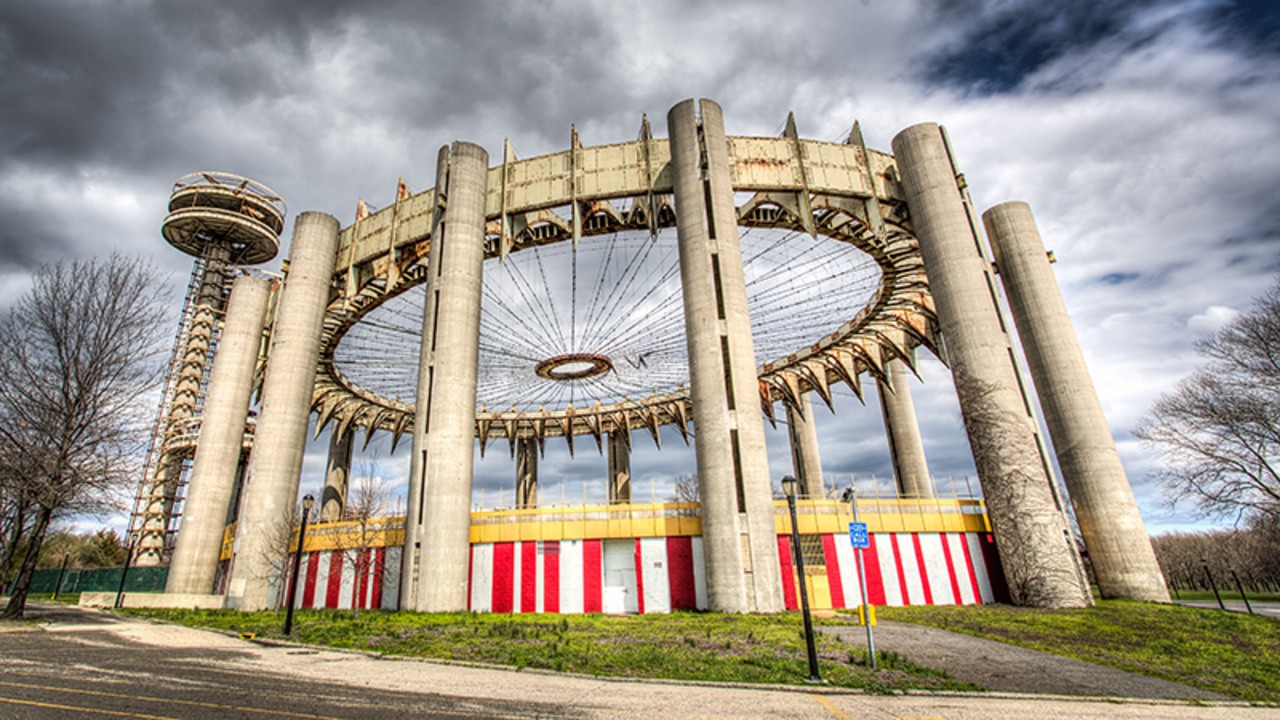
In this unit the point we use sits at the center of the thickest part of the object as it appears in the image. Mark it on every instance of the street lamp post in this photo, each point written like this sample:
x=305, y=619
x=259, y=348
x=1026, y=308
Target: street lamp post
x=307, y=502
x=124, y=574
x=789, y=488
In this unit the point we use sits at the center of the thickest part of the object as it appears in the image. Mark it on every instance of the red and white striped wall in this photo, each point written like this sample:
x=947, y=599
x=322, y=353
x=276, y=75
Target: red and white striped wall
x=901, y=569
x=658, y=575
x=642, y=575
x=345, y=579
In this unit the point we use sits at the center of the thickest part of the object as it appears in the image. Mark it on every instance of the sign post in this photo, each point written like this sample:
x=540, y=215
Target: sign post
x=860, y=539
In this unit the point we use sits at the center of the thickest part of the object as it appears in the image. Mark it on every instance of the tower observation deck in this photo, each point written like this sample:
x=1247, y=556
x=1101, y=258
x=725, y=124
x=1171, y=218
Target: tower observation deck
x=223, y=221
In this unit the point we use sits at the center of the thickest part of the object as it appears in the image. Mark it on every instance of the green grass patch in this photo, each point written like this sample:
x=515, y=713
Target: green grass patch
x=685, y=646
x=1231, y=596
x=1231, y=653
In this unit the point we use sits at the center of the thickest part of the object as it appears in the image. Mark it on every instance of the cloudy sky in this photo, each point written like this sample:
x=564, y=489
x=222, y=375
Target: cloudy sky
x=1145, y=135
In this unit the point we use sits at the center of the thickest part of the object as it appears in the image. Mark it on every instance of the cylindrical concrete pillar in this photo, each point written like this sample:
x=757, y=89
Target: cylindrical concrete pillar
x=526, y=473
x=910, y=468
x=217, y=461
x=1031, y=533
x=1117, y=541
x=438, y=548
x=337, y=475
x=805, y=459
x=265, y=526
x=619, y=467
x=739, y=539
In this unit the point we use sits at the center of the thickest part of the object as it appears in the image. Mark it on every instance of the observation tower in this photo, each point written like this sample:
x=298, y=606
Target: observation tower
x=223, y=221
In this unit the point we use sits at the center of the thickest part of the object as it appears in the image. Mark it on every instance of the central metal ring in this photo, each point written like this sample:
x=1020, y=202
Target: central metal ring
x=595, y=365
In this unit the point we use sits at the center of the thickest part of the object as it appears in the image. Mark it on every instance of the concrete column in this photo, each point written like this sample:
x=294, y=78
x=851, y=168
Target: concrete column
x=910, y=468
x=268, y=509
x=1039, y=559
x=619, y=467
x=526, y=473
x=337, y=475
x=1119, y=548
x=805, y=460
x=217, y=462
x=438, y=538
x=739, y=539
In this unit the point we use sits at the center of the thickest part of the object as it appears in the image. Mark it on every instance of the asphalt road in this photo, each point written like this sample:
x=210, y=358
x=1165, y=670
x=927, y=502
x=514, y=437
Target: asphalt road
x=1265, y=608
x=77, y=663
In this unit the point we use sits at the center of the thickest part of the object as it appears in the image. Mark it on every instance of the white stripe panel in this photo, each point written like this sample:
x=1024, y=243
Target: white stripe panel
x=888, y=569
x=935, y=568
x=980, y=566
x=540, y=601
x=307, y=559
x=482, y=577
x=911, y=570
x=322, y=579
x=391, y=579
x=571, y=595
x=370, y=567
x=517, y=572
x=347, y=587
x=847, y=558
x=955, y=543
x=657, y=583
x=699, y=573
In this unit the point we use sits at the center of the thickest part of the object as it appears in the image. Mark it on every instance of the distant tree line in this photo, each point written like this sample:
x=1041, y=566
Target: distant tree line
x=1252, y=553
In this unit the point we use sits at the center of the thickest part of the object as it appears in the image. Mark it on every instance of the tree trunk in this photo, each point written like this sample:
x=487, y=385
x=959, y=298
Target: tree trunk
x=10, y=546
x=18, y=596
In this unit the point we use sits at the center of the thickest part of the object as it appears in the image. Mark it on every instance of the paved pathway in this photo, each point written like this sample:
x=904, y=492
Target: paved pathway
x=1265, y=608
x=1009, y=668
x=80, y=663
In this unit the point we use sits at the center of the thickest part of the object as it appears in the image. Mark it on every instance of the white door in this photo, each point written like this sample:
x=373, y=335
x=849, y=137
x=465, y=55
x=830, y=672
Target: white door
x=620, y=577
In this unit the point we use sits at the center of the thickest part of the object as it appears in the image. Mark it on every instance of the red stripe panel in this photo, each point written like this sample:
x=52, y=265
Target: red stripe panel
x=902, y=573
x=684, y=593
x=334, y=590
x=639, y=563
x=833, y=571
x=995, y=570
x=551, y=576
x=924, y=572
x=973, y=573
x=788, y=573
x=313, y=571
x=875, y=583
x=379, y=571
x=592, y=577
x=529, y=577
x=951, y=569
x=504, y=570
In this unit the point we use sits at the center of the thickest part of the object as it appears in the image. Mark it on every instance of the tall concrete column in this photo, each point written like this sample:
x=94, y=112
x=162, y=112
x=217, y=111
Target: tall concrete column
x=337, y=475
x=281, y=436
x=619, y=467
x=217, y=461
x=739, y=539
x=526, y=473
x=805, y=460
x=1119, y=548
x=438, y=529
x=910, y=468
x=1039, y=560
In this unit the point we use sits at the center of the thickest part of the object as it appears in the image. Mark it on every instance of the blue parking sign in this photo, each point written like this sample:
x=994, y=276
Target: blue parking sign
x=858, y=535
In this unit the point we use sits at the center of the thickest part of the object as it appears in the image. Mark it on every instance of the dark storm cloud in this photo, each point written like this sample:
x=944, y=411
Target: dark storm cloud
x=1002, y=43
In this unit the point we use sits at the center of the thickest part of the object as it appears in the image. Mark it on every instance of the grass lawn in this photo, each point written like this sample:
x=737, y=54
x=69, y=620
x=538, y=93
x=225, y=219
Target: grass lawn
x=1231, y=653
x=689, y=646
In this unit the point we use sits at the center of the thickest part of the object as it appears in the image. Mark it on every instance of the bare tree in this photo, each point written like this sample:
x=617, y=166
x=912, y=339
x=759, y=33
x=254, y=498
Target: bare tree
x=365, y=512
x=77, y=352
x=1219, y=430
